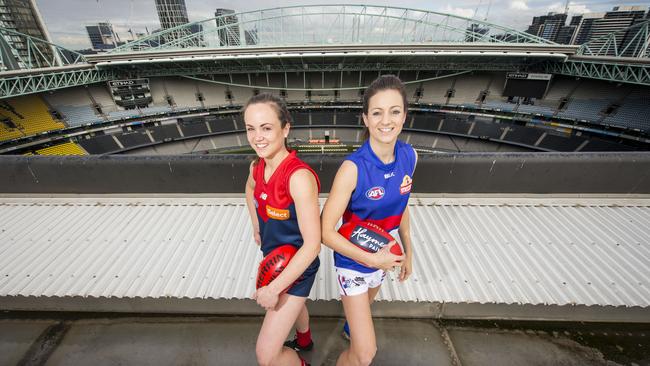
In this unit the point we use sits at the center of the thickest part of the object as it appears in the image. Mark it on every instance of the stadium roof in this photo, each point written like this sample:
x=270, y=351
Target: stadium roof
x=518, y=250
x=324, y=38
x=330, y=24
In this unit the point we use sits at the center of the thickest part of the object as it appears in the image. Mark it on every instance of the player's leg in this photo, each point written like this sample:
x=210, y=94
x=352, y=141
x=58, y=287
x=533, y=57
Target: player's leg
x=302, y=340
x=363, y=345
x=374, y=282
x=275, y=328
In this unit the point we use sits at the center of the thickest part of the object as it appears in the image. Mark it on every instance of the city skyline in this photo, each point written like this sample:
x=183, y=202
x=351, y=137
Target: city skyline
x=68, y=28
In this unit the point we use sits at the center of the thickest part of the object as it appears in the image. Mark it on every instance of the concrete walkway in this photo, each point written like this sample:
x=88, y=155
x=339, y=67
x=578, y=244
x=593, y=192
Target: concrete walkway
x=179, y=340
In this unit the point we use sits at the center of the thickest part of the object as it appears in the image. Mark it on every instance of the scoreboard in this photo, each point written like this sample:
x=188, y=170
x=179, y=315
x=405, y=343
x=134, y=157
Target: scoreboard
x=524, y=84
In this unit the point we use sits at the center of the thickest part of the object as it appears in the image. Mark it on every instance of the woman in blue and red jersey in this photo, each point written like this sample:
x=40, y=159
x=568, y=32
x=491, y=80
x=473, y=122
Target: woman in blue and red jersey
x=282, y=198
x=373, y=184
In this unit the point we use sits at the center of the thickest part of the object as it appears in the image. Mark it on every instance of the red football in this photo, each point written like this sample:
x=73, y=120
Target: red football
x=273, y=264
x=368, y=236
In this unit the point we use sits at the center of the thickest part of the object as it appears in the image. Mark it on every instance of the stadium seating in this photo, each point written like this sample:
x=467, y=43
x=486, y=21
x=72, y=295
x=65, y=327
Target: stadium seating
x=434, y=91
x=68, y=148
x=183, y=91
x=8, y=133
x=29, y=114
x=634, y=111
x=214, y=95
x=581, y=99
x=79, y=115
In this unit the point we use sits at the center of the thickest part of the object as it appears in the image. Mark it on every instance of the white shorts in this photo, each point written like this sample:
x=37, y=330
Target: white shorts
x=353, y=283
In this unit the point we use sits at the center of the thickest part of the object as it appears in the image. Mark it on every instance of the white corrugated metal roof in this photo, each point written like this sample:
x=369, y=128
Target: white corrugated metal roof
x=467, y=250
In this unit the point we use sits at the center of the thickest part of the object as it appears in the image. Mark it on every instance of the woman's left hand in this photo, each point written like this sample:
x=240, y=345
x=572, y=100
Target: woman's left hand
x=407, y=268
x=266, y=297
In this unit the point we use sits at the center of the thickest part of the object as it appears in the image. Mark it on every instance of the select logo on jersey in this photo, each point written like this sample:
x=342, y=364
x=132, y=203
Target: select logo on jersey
x=277, y=213
x=375, y=193
x=405, y=187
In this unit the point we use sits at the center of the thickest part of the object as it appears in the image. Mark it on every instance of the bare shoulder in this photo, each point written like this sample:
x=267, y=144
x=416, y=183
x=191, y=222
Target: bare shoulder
x=302, y=183
x=251, y=181
x=347, y=171
x=345, y=180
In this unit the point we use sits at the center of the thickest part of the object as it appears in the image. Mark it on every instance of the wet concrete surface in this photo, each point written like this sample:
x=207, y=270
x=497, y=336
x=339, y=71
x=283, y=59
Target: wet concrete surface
x=71, y=339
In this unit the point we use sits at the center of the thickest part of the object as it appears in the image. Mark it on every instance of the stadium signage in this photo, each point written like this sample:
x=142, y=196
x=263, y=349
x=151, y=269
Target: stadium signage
x=528, y=76
x=116, y=83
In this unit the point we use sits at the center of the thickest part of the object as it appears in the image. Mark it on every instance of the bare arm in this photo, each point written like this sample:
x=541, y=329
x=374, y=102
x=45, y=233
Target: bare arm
x=405, y=235
x=304, y=192
x=250, y=189
x=344, y=184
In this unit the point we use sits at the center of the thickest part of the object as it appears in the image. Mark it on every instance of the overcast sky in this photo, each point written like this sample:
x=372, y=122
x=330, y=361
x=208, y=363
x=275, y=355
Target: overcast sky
x=66, y=19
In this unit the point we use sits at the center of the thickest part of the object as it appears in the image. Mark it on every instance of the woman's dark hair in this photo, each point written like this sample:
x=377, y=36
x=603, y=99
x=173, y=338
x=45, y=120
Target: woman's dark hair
x=276, y=103
x=384, y=82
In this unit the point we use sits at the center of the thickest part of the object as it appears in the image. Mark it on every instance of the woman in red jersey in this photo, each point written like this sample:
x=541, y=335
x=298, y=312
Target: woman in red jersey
x=282, y=198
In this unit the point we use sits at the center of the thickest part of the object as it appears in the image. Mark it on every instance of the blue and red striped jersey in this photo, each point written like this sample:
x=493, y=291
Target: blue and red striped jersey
x=381, y=194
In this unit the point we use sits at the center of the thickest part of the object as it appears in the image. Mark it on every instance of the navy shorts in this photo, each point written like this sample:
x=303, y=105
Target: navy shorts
x=303, y=284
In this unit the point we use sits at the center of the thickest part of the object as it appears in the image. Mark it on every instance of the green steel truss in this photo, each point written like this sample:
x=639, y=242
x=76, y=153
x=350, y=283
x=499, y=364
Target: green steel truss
x=617, y=72
x=37, y=83
x=631, y=42
x=328, y=25
x=20, y=51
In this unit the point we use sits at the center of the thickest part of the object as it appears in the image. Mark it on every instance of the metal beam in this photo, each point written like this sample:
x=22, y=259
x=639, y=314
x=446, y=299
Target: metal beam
x=29, y=84
x=622, y=73
x=631, y=42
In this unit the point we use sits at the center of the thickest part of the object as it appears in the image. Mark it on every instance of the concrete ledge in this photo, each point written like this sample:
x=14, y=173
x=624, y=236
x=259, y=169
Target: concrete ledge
x=381, y=309
x=519, y=173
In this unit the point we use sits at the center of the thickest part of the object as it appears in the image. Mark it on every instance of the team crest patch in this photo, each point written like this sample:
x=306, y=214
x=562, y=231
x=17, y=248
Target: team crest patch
x=405, y=187
x=375, y=193
x=277, y=213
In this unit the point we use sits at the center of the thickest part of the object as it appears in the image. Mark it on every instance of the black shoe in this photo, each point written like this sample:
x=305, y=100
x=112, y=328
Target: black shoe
x=293, y=344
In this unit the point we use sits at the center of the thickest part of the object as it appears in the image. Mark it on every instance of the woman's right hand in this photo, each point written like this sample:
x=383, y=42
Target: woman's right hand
x=384, y=259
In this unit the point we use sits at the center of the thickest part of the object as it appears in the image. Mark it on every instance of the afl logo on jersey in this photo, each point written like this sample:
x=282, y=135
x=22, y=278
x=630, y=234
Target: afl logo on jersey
x=375, y=193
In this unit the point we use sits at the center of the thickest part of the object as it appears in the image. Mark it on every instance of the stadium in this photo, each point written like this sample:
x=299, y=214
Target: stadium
x=124, y=171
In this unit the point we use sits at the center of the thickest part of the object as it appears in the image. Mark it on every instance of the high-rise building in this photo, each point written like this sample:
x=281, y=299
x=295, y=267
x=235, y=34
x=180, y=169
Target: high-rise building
x=475, y=32
x=173, y=13
x=23, y=17
x=547, y=26
x=228, y=27
x=593, y=27
x=102, y=37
